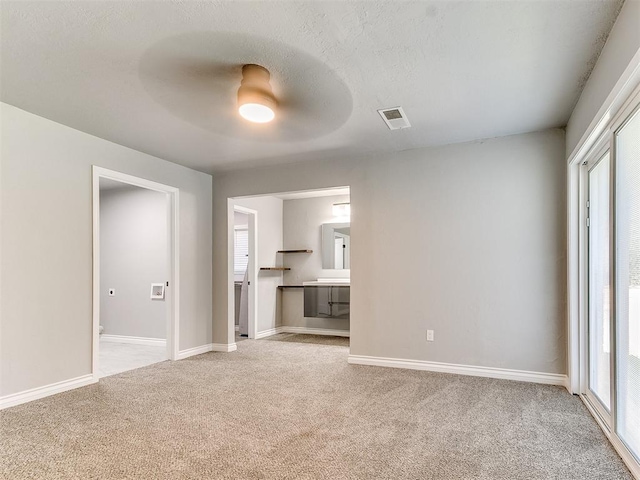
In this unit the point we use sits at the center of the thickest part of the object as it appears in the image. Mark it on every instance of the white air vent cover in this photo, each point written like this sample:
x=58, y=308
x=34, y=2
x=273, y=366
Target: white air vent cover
x=394, y=118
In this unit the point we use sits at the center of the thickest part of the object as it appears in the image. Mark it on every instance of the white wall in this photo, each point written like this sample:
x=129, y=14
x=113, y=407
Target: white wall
x=46, y=241
x=622, y=45
x=240, y=218
x=482, y=256
x=269, y=242
x=133, y=255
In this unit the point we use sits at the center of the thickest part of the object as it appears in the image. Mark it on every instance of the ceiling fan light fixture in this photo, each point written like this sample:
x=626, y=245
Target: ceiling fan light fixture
x=256, y=112
x=256, y=102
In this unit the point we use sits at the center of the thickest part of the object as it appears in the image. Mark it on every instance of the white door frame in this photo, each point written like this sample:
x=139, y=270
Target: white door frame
x=252, y=269
x=172, y=293
x=595, y=156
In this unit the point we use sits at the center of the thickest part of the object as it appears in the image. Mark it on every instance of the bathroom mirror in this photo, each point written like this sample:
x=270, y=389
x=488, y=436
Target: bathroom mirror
x=336, y=246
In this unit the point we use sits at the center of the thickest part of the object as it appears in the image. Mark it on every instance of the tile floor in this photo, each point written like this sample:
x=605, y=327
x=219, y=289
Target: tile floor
x=120, y=357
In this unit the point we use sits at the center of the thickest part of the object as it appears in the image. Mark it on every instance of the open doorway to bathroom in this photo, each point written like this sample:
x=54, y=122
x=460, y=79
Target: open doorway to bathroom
x=133, y=273
x=301, y=266
x=244, y=272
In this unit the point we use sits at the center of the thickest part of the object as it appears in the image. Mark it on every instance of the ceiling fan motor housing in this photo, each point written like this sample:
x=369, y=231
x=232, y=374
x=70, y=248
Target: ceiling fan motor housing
x=255, y=87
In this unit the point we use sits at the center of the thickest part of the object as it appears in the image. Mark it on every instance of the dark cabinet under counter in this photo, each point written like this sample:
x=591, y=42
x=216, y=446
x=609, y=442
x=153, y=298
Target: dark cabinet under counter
x=327, y=301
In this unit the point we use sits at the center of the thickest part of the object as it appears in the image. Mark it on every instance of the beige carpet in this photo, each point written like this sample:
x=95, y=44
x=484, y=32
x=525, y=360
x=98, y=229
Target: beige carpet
x=290, y=407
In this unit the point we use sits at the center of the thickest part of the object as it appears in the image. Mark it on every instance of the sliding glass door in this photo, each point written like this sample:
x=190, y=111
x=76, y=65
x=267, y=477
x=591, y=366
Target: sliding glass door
x=599, y=321
x=627, y=283
x=612, y=341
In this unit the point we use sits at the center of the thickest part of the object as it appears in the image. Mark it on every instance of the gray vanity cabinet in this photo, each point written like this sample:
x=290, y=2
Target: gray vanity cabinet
x=326, y=301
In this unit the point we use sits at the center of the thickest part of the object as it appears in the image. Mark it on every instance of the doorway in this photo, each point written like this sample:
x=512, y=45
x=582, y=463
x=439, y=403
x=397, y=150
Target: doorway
x=135, y=281
x=298, y=255
x=244, y=272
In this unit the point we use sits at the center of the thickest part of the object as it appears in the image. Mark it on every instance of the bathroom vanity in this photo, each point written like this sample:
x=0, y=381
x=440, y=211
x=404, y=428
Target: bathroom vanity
x=327, y=298
x=319, y=246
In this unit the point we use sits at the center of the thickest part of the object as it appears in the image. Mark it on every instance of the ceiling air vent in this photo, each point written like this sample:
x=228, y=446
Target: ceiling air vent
x=394, y=118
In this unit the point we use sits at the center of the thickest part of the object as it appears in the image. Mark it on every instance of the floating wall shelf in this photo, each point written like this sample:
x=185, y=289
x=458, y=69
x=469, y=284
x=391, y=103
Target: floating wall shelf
x=285, y=268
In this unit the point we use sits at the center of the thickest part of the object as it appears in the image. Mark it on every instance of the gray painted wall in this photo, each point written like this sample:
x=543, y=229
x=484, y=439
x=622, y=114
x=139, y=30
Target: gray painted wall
x=133, y=255
x=467, y=240
x=45, y=202
x=623, y=43
x=302, y=219
x=269, y=242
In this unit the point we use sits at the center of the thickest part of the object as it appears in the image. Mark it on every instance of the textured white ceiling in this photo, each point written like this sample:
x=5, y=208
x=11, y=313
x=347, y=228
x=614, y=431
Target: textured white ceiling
x=161, y=77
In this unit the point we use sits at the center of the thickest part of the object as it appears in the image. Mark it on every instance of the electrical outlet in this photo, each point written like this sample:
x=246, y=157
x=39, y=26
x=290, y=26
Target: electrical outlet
x=429, y=335
x=112, y=292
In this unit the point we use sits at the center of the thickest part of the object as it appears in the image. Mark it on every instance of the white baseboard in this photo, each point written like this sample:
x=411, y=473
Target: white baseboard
x=502, y=373
x=210, y=347
x=237, y=328
x=156, y=342
x=190, y=352
x=46, y=391
x=224, y=347
x=314, y=331
x=268, y=333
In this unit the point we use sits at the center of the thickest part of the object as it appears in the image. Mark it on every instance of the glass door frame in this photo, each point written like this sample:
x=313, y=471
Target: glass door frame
x=597, y=155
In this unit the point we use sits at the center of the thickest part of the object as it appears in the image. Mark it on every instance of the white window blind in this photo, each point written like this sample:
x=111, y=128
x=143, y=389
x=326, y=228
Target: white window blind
x=627, y=251
x=240, y=250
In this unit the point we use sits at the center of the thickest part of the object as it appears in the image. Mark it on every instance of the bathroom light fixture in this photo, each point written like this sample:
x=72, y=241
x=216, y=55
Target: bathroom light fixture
x=342, y=209
x=256, y=102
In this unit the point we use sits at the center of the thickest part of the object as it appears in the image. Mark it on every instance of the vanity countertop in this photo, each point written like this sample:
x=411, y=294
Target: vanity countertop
x=329, y=282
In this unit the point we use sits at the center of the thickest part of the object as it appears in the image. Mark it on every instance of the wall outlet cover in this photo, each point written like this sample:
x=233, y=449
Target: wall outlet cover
x=429, y=335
